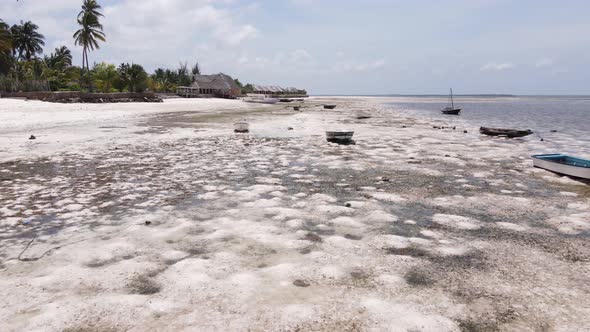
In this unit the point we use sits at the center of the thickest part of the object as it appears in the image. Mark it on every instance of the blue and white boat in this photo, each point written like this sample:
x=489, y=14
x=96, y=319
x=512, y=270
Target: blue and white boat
x=563, y=164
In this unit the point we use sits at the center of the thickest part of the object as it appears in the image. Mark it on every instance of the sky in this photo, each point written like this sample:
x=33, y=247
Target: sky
x=343, y=46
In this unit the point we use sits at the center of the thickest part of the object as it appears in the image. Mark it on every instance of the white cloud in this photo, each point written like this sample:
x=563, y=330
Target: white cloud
x=493, y=66
x=545, y=62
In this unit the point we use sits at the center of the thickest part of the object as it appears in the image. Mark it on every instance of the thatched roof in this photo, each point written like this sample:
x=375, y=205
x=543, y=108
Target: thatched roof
x=274, y=88
x=216, y=82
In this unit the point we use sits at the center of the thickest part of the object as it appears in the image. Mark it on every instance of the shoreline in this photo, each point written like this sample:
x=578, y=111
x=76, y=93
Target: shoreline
x=413, y=227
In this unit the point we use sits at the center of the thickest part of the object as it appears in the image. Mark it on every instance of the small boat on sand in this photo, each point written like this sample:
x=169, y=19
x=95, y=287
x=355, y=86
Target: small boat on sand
x=340, y=137
x=285, y=100
x=508, y=132
x=241, y=127
x=329, y=107
x=261, y=99
x=451, y=110
x=563, y=164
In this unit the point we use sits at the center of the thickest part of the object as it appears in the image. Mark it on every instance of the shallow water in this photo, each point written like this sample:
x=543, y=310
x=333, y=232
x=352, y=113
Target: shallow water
x=569, y=116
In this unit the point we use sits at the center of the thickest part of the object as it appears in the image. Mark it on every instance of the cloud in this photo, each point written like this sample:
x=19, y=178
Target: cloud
x=545, y=62
x=150, y=32
x=493, y=66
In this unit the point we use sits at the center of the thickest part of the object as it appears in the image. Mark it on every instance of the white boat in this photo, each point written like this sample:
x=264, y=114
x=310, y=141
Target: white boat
x=563, y=164
x=241, y=127
x=261, y=99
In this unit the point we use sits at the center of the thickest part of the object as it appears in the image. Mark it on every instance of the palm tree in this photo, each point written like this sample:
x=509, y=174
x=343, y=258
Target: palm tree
x=26, y=41
x=91, y=30
x=5, y=38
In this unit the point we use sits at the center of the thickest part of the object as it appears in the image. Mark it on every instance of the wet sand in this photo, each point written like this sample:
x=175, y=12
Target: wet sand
x=158, y=217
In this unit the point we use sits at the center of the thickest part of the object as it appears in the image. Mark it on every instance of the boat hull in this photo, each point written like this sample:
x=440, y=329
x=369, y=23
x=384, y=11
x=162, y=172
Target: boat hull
x=451, y=111
x=329, y=107
x=261, y=100
x=504, y=132
x=563, y=164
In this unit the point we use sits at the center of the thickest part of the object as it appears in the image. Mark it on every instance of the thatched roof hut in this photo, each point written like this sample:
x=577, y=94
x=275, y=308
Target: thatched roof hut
x=218, y=85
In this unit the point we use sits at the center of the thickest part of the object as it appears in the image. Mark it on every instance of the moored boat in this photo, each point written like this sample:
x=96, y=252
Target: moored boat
x=563, y=164
x=451, y=110
x=329, y=107
x=508, y=132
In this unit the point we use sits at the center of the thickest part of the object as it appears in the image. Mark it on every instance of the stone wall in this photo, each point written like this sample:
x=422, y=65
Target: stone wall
x=85, y=97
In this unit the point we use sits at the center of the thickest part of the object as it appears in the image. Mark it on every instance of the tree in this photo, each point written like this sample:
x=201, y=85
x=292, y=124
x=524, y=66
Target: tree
x=196, y=69
x=5, y=48
x=104, y=76
x=133, y=77
x=60, y=60
x=26, y=41
x=90, y=31
x=5, y=38
x=184, y=79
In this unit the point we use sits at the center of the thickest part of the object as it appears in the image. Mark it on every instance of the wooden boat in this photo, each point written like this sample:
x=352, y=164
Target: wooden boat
x=241, y=127
x=563, y=164
x=329, y=107
x=504, y=132
x=261, y=99
x=451, y=110
x=285, y=100
x=341, y=137
x=360, y=115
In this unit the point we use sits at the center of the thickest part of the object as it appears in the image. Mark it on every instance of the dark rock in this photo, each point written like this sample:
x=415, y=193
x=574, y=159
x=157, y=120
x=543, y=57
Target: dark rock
x=465, y=131
x=553, y=131
x=290, y=128
x=147, y=222
x=353, y=237
x=313, y=237
x=32, y=137
x=300, y=283
x=348, y=205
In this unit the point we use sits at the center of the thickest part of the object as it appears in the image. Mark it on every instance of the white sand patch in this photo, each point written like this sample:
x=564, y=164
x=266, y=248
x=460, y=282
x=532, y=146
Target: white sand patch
x=264, y=203
x=404, y=318
x=332, y=272
x=431, y=234
x=512, y=226
x=568, y=194
x=380, y=217
x=447, y=250
x=317, y=198
x=333, y=209
x=455, y=221
x=394, y=241
x=388, y=197
x=347, y=222
x=571, y=224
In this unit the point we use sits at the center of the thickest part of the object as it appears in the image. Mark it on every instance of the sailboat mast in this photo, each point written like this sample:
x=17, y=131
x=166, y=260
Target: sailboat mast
x=452, y=104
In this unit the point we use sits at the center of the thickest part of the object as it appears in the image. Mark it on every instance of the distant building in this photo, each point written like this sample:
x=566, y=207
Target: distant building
x=277, y=91
x=207, y=86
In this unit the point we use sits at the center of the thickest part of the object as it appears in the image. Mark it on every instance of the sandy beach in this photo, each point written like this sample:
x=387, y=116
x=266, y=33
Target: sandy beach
x=158, y=217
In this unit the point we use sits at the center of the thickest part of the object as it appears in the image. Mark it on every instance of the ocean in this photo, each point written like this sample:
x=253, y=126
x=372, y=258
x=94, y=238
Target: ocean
x=569, y=116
